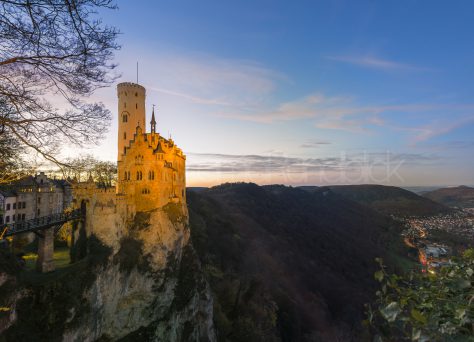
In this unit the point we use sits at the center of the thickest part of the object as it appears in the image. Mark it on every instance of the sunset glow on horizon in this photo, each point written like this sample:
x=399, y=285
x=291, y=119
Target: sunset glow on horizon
x=304, y=94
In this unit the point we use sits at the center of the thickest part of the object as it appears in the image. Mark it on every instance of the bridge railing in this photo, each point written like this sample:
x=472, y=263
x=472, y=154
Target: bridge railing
x=40, y=223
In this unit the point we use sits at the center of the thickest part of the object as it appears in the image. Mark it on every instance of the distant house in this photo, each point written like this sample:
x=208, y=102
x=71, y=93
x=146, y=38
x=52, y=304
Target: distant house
x=7, y=206
x=435, y=252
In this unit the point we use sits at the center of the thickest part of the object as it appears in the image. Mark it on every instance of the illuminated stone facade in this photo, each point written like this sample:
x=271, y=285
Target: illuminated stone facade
x=151, y=169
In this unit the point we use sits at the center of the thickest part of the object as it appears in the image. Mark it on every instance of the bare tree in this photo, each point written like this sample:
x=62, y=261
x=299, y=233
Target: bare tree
x=53, y=53
x=87, y=167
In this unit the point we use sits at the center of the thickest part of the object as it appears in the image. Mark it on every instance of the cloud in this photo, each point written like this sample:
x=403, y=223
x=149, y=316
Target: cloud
x=438, y=128
x=448, y=145
x=337, y=113
x=376, y=63
x=343, y=113
x=229, y=163
x=246, y=90
x=314, y=143
x=209, y=80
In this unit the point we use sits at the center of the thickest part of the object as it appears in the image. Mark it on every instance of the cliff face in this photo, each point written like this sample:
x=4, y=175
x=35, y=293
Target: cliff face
x=138, y=282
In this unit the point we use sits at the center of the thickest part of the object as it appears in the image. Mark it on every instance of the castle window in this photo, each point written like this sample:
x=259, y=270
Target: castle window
x=125, y=105
x=125, y=178
x=128, y=175
x=136, y=94
x=136, y=105
x=124, y=135
x=124, y=118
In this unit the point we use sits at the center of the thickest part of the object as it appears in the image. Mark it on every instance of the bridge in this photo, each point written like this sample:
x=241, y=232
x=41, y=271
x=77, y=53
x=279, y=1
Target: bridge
x=45, y=227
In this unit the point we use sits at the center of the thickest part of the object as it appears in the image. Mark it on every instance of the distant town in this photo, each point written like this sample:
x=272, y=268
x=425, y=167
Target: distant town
x=434, y=248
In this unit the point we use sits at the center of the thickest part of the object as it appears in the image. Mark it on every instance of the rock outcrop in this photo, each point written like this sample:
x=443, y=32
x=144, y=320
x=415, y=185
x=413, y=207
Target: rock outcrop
x=141, y=282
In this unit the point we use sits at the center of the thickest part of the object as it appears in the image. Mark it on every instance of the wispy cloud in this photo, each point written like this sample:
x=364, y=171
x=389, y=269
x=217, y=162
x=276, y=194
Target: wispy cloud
x=344, y=113
x=246, y=90
x=314, y=143
x=190, y=98
x=209, y=162
x=447, y=145
x=437, y=128
x=338, y=113
x=210, y=80
x=376, y=63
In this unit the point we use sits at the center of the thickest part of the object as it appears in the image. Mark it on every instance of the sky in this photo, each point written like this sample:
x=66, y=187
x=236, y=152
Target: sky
x=304, y=92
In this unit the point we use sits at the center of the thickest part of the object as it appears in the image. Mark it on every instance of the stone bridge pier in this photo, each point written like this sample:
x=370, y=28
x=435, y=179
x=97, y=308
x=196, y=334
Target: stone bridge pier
x=45, y=261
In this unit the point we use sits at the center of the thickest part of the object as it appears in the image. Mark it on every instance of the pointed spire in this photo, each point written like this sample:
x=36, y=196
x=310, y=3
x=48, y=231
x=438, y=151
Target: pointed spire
x=153, y=121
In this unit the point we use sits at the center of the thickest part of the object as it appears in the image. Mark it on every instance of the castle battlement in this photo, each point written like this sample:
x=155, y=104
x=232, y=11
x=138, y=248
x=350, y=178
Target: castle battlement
x=125, y=85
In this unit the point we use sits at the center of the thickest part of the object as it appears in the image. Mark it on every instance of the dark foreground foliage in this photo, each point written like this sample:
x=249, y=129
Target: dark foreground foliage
x=53, y=301
x=433, y=306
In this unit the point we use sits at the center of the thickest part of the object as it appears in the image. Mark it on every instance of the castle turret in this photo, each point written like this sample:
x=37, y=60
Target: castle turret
x=153, y=121
x=131, y=113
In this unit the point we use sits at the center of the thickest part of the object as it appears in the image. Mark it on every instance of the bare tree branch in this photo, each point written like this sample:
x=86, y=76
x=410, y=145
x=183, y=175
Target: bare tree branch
x=53, y=49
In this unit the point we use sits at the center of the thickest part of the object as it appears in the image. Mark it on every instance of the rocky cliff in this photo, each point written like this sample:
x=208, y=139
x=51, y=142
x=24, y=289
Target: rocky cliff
x=141, y=283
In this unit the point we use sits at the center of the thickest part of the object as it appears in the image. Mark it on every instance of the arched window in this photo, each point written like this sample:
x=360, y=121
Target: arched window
x=128, y=175
x=124, y=135
x=153, y=175
x=136, y=105
x=124, y=118
x=125, y=178
x=138, y=175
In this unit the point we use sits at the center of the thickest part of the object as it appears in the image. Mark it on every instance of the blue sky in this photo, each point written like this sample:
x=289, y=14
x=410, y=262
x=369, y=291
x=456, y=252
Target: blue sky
x=305, y=92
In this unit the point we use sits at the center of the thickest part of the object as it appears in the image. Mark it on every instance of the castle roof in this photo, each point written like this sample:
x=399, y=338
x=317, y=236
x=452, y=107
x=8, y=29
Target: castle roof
x=158, y=148
x=153, y=121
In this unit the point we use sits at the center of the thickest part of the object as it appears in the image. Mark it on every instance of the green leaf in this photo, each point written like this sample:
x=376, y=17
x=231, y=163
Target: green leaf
x=378, y=275
x=391, y=311
x=463, y=284
x=418, y=316
x=460, y=313
x=416, y=334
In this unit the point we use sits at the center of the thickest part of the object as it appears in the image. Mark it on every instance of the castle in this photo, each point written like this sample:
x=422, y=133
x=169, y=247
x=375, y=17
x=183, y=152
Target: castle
x=151, y=169
x=150, y=178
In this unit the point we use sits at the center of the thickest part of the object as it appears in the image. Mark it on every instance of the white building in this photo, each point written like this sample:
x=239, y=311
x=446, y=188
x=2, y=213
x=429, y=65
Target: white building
x=33, y=197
